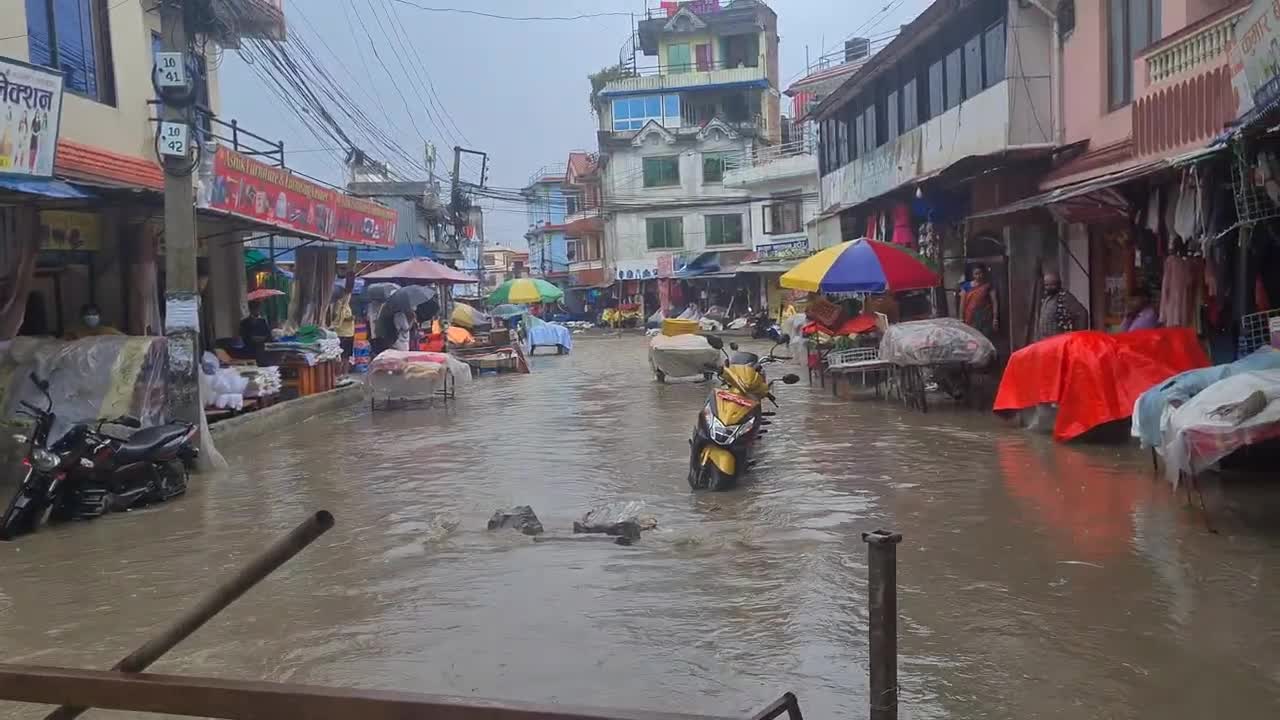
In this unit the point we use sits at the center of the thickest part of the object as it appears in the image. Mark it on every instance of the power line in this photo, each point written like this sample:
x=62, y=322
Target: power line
x=496, y=16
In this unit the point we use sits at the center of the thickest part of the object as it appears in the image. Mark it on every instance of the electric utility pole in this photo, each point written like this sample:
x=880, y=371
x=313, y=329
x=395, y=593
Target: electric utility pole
x=181, y=295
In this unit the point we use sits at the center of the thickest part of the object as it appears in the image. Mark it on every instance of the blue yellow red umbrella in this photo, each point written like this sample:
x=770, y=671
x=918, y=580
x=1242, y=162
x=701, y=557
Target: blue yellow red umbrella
x=861, y=265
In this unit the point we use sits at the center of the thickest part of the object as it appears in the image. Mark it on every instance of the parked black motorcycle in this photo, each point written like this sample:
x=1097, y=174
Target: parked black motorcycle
x=87, y=473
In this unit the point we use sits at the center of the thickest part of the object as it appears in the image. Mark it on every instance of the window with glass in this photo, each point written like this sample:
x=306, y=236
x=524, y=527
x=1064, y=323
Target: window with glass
x=937, y=89
x=723, y=229
x=783, y=218
x=679, y=58
x=631, y=113
x=842, y=142
x=954, y=63
x=713, y=166
x=972, y=66
x=73, y=36
x=910, y=109
x=1132, y=25
x=664, y=233
x=662, y=171
x=994, y=52
x=871, y=140
x=893, y=118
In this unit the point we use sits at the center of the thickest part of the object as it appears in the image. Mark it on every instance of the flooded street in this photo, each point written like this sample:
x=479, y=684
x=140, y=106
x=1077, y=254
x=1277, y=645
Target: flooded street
x=1037, y=580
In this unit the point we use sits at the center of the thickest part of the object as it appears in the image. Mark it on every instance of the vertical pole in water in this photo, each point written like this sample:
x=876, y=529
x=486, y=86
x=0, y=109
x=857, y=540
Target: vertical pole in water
x=882, y=604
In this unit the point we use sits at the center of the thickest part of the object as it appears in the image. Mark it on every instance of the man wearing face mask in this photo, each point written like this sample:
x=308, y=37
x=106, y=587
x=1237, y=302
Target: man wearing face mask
x=1060, y=311
x=90, y=324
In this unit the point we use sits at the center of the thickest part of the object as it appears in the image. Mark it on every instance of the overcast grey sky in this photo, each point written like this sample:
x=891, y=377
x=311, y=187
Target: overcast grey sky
x=517, y=90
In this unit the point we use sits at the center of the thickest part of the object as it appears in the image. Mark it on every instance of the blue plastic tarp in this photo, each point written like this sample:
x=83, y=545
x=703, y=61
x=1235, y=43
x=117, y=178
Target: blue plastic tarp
x=1149, y=410
x=44, y=187
x=545, y=334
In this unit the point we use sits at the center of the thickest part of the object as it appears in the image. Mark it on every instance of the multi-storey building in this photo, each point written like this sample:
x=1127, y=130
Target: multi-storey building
x=547, y=202
x=667, y=133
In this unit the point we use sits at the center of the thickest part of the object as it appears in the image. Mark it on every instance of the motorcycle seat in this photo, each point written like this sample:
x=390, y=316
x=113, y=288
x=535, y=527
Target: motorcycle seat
x=143, y=443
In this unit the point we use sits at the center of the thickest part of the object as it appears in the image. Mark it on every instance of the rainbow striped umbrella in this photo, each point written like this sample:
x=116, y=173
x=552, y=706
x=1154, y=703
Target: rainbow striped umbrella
x=861, y=265
x=525, y=291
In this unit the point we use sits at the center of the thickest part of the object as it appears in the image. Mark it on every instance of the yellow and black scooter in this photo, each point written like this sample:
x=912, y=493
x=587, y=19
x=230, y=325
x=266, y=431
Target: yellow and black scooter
x=733, y=417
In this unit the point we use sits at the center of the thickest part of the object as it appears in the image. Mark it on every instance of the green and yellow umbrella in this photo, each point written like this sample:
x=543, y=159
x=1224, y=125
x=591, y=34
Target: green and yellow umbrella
x=525, y=291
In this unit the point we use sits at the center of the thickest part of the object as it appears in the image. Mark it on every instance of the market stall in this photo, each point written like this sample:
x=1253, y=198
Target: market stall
x=944, y=349
x=1090, y=378
x=398, y=379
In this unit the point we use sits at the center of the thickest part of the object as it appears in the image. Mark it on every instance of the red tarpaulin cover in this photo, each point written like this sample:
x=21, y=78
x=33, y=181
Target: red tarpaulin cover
x=1095, y=378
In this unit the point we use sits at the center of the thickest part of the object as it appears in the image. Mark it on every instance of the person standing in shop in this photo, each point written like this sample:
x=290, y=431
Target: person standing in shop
x=979, y=306
x=1060, y=311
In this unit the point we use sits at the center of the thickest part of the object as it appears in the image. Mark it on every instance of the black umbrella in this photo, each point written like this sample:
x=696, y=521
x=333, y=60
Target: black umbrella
x=409, y=297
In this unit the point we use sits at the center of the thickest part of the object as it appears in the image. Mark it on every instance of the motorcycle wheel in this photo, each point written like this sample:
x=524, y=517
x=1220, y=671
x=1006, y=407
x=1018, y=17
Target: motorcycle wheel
x=171, y=481
x=23, y=515
x=716, y=480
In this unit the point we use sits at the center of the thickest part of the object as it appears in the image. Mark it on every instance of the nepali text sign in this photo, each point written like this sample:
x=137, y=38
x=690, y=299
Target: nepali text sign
x=1255, y=57
x=244, y=187
x=30, y=110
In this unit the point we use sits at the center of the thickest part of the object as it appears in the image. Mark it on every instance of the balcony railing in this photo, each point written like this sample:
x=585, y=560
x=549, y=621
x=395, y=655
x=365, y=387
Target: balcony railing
x=554, y=170
x=1194, y=47
x=763, y=155
x=661, y=79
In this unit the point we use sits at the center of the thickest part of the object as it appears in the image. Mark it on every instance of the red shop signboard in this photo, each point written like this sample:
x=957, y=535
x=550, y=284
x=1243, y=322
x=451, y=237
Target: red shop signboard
x=247, y=188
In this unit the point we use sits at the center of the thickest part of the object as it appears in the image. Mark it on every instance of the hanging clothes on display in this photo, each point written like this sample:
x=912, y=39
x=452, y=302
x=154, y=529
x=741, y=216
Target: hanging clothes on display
x=872, y=226
x=1180, y=291
x=902, y=232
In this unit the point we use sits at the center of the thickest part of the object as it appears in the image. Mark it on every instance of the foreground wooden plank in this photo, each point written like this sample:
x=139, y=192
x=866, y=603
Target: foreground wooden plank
x=255, y=700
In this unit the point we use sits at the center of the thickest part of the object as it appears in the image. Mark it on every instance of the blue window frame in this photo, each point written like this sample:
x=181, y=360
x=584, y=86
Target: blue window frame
x=631, y=113
x=73, y=36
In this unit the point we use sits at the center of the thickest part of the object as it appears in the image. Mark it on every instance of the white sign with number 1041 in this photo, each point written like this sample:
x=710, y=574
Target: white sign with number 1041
x=171, y=71
x=173, y=139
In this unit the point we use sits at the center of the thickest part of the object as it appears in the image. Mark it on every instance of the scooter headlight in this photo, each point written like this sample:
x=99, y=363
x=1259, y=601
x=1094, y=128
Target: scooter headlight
x=43, y=460
x=723, y=434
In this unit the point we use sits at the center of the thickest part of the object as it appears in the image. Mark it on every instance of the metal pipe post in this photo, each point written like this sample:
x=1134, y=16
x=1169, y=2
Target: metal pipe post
x=882, y=604
x=215, y=602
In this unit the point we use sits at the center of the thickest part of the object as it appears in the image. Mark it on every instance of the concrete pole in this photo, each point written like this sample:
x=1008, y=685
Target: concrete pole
x=181, y=296
x=882, y=604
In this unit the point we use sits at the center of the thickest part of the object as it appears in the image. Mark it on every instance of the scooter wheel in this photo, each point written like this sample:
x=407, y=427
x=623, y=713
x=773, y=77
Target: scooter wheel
x=716, y=480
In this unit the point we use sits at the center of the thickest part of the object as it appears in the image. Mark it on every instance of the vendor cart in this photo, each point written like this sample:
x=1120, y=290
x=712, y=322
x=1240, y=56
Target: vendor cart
x=400, y=379
x=946, y=347
x=682, y=356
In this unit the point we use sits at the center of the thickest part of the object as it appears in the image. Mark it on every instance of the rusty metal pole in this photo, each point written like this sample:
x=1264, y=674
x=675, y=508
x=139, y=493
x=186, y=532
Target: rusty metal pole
x=882, y=604
x=215, y=602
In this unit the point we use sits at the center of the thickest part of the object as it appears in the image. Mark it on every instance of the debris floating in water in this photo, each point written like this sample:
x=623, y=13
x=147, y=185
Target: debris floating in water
x=520, y=517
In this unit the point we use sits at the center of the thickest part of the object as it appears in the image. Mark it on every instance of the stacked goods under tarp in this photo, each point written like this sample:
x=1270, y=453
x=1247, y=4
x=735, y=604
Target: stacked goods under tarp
x=681, y=356
x=95, y=378
x=546, y=334
x=940, y=341
x=468, y=317
x=399, y=375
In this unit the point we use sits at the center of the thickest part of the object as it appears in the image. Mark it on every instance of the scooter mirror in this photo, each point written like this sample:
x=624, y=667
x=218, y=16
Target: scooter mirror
x=42, y=384
x=733, y=346
x=714, y=342
x=784, y=339
x=775, y=335
x=790, y=379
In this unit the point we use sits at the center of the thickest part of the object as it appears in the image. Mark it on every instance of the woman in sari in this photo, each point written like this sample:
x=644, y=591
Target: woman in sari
x=979, y=305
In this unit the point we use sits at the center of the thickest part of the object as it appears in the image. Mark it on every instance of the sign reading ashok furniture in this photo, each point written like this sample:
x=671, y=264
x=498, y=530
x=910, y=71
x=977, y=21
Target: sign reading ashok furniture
x=30, y=110
x=241, y=186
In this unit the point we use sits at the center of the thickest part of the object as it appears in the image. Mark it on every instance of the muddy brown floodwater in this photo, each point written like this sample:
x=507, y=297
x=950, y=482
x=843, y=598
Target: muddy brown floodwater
x=1038, y=580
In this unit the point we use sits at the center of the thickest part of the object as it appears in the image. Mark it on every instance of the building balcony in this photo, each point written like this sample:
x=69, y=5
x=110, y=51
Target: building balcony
x=1185, y=97
x=687, y=78
x=769, y=163
x=1012, y=116
x=583, y=265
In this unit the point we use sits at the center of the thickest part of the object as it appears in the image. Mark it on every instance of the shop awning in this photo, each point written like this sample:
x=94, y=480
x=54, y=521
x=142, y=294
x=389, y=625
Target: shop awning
x=1097, y=195
x=780, y=266
x=44, y=187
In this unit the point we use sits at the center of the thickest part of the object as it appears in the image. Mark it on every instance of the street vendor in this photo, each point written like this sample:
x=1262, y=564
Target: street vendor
x=979, y=305
x=90, y=324
x=255, y=331
x=1141, y=313
x=1060, y=311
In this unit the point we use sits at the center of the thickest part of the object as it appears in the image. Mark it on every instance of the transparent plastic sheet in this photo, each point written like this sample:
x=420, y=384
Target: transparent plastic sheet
x=90, y=379
x=792, y=327
x=601, y=518
x=682, y=355
x=413, y=375
x=210, y=458
x=940, y=341
x=1199, y=433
